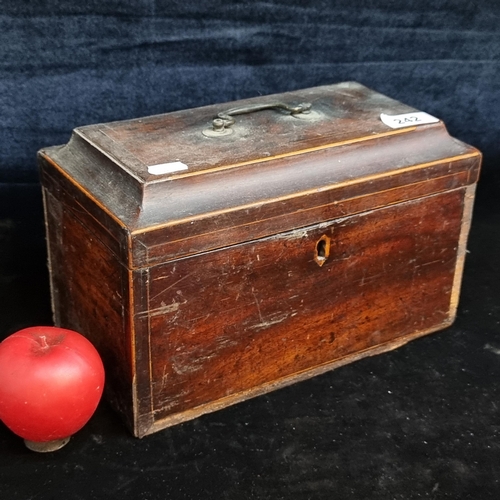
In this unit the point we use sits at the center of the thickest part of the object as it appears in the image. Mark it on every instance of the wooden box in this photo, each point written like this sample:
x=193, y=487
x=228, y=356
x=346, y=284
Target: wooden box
x=211, y=261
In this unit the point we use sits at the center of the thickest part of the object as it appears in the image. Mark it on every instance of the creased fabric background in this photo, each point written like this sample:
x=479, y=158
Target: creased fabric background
x=65, y=64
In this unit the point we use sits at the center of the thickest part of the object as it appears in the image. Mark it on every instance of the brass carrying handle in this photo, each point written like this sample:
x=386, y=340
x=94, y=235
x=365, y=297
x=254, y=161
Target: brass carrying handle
x=224, y=119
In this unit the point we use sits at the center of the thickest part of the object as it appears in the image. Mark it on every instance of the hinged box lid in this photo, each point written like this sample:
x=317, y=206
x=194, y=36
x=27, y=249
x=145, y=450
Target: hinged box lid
x=182, y=182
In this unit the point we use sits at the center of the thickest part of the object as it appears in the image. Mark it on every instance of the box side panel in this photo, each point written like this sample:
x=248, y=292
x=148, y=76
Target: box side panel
x=233, y=323
x=90, y=292
x=93, y=214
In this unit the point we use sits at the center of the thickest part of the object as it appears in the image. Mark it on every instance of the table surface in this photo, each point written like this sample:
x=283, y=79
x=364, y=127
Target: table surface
x=419, y=422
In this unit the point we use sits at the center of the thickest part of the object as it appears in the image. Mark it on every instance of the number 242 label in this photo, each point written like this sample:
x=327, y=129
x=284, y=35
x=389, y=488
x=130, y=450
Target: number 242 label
x=408, y=119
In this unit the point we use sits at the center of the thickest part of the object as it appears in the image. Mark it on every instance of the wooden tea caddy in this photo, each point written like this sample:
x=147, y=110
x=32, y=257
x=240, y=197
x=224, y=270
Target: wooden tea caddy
x=218, y=253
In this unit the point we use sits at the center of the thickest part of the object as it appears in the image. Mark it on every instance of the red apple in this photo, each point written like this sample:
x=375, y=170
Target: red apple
x=51, y=380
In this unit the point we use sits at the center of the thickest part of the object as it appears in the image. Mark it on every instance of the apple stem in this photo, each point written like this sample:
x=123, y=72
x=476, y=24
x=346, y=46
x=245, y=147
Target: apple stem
x=43, y=341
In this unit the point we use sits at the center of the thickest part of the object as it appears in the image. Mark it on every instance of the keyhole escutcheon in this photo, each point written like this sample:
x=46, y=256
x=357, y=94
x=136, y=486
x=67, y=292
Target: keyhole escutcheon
x=322, y=250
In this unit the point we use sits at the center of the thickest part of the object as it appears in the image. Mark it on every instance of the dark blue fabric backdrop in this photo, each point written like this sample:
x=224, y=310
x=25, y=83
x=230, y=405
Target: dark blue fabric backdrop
x=64, y=64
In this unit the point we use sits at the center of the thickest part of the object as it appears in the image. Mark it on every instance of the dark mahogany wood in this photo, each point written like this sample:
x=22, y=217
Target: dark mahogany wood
x=286, y=249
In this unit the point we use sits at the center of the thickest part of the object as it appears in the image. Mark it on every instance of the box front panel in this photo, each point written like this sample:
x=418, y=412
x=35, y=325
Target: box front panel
x=226, y=322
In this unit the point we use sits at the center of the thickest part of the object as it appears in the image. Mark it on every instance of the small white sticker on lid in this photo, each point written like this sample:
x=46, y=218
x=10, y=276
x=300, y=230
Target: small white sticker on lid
x=167, y=168
x=408, y=119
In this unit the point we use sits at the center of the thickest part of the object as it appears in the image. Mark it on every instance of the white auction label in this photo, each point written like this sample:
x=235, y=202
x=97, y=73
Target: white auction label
x=167, y=168
x=408, y=119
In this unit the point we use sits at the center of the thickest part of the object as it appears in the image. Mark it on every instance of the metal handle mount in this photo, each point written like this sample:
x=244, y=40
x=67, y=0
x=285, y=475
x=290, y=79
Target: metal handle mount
x=222, y=123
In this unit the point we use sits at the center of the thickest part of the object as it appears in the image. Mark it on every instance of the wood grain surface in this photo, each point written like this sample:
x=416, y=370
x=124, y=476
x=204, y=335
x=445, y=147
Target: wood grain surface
x=303, y=250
